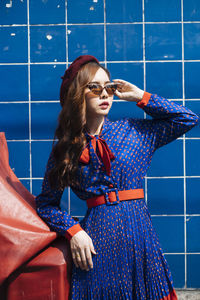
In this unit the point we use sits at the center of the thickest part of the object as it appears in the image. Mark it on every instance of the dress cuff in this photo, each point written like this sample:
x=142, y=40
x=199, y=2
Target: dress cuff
x=145, y=99
x=72, y=231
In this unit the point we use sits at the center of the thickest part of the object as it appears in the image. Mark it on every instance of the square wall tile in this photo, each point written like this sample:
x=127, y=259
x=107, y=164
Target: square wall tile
x=14, y=45
x=78, y=207
x=193, y=267
x=19, y=158
x=13, y=12
x=192, y=195
x=160, y=11
x=85, y=11
x=193, y=237
x=123, y=11
x=15, y=87
x=48, y=43
x=168, y=160
x=46, y=81
x=192, y=70
x=124, y=42
x=191, y=41
x=125, y=109
x=164, y=79
x=44, y=120
x=14, y=120
x=177, y=268
x=194, y=106
x=192, y=157
x=86, y=40
x=26, y=183
x=36, y=186
x=163, y=41
x=38, y=11
x=40, y=155
x=132, y=72
x=170, y=231
x=191, y=10
x=165, y=196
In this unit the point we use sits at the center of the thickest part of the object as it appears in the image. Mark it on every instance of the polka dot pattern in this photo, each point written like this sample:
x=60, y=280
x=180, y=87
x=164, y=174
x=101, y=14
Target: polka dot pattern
x=129, y=263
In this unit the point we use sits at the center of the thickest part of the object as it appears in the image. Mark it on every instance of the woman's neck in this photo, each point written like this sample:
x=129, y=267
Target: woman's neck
x=93, y=126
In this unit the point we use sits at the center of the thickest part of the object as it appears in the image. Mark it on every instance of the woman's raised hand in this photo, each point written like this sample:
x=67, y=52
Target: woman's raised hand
x=81, y=247
x=128, y=91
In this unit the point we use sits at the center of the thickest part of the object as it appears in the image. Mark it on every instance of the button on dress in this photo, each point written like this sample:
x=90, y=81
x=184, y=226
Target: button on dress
x=129, y=263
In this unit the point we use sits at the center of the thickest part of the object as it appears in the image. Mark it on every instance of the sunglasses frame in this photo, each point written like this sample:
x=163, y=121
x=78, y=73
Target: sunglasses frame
x=111, y=85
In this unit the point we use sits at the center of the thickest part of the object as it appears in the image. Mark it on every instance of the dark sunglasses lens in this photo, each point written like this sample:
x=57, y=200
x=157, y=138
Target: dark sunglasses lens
x=95, y=89
x=111, y=88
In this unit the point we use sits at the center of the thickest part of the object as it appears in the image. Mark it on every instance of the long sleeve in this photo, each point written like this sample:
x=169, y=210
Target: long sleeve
x=169, y=122
x=48, y=207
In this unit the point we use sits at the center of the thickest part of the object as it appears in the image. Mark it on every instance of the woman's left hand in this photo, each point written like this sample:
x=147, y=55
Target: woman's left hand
x=128, y=91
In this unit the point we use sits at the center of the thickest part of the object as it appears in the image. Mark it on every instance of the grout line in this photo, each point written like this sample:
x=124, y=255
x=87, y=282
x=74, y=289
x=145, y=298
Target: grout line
x=144, y=85
x=105, y=34
x=94, y=24
x=29, y=100
x=184, y=253
x=166, y=216
x=161, y=177
x=58, y=101
x=110, y=62
x=172, y=177
x=49, y=140
x=66, y=44
x=66, y=65
x=184, y=157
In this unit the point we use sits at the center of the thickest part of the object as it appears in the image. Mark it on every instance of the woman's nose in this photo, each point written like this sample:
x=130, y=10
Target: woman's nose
x=104, y=94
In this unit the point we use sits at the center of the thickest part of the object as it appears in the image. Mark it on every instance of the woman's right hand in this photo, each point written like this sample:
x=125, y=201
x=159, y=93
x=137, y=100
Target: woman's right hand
x=81, y=247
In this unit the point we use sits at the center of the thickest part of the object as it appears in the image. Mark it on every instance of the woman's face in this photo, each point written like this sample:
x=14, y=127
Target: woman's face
x=98, y=105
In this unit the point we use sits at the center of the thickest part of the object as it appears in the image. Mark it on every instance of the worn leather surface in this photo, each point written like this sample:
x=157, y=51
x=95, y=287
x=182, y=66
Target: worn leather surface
x=26, y=250
x=47, y=276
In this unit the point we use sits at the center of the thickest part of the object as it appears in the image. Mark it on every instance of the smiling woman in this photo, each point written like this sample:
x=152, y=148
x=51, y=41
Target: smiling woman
x=115, y=249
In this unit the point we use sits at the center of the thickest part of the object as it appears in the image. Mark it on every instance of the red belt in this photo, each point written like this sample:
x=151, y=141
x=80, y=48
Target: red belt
x=115, y=197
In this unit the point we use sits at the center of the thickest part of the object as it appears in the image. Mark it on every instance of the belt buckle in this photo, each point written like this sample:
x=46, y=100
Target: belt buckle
x=107, y=197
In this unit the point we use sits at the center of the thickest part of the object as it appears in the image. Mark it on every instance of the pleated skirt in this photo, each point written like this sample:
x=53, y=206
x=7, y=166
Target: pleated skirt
x=129, y=263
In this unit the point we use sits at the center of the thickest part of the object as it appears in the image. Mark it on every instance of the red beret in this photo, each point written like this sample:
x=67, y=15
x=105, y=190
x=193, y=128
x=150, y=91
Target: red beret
x=71, y=72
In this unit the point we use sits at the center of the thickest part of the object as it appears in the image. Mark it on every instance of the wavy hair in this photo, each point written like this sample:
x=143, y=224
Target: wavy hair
x=69, y=131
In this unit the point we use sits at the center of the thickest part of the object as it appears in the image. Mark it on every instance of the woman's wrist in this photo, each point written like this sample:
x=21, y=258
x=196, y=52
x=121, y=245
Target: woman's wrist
x=140, y=95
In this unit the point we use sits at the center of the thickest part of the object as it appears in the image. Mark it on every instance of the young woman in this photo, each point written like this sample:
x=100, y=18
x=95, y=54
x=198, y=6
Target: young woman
x=115, y=250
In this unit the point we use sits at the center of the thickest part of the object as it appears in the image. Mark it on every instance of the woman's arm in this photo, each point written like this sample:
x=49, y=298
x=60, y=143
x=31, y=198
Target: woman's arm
x=170, y=120
x=48, y=207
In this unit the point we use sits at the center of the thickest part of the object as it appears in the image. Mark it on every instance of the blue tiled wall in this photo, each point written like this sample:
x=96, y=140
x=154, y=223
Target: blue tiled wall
x=151, y=43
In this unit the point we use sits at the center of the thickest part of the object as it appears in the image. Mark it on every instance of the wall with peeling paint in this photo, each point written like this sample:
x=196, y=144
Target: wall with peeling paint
x=153, y=44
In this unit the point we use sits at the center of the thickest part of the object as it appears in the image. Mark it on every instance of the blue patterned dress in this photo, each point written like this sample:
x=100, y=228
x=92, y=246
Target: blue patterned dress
x=129, y=263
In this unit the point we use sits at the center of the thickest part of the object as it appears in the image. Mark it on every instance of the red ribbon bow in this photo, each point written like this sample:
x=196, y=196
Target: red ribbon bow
x=104, y=152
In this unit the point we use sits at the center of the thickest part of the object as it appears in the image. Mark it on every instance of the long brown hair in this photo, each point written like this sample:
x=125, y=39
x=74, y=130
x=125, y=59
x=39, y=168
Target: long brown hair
x=69, y=132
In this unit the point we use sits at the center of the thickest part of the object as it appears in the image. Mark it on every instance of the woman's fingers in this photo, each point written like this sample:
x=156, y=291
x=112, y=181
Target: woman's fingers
x=83, y=260
x=117, y=93
x=74, y=257
x=120, y=80
x=89, y=257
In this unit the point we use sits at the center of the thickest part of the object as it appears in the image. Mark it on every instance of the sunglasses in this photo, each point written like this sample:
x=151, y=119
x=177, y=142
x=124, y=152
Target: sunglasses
x=97, y=89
